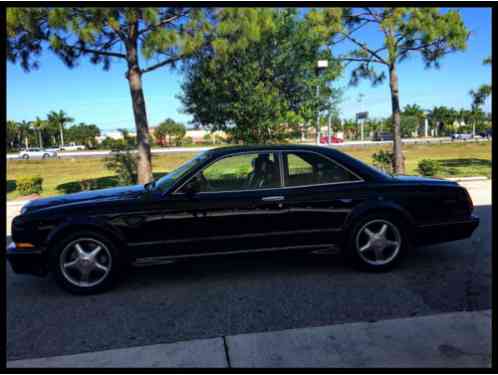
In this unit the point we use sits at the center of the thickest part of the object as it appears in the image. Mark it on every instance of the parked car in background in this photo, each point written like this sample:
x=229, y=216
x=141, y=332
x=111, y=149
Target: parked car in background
x=37, y=153
x=485, y=134
x=237, y=200
x=324, y=139
x=72, y=147
x=461, y=136
x=383, y=136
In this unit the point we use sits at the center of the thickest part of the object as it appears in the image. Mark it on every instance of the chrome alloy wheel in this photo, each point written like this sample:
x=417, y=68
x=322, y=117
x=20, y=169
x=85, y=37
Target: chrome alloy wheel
x=378, y=242
x=85, y=262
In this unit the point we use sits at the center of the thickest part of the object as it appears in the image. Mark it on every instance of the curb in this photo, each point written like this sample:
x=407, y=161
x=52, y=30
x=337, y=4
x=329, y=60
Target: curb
x=472, y=178
x=458, y=339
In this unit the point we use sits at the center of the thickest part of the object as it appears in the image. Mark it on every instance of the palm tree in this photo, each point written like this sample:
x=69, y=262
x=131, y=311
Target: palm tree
x=38, y=125
x=24, y=130
x=478, y=99
x=60, y=119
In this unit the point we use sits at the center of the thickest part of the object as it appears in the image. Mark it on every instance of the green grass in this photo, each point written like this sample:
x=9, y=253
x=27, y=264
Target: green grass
x=61, y=176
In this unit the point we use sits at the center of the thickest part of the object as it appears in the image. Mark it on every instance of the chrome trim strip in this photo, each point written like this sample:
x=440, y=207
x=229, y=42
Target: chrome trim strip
x=236, y=236
x=176, y=192
x=169, y=257
x=274, y=198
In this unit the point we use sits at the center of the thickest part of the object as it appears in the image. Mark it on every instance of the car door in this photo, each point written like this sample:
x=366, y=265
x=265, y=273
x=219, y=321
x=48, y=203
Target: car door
x=227, y=214
x=320, y=193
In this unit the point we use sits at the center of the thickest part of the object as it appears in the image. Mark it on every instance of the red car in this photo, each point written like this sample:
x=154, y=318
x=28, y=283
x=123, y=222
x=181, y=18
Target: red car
x=333, y=139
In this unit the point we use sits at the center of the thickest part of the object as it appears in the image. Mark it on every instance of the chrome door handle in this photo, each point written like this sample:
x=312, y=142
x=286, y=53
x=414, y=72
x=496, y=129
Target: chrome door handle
x=275, y=198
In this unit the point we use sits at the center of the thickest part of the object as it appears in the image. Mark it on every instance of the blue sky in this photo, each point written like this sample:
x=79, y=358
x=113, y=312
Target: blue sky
x=91, y=95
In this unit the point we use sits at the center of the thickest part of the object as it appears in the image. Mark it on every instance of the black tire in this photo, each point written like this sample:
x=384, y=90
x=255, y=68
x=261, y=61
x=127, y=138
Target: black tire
x=115, y=263
x=45, y=156
x=25, y=156
x=353, y=253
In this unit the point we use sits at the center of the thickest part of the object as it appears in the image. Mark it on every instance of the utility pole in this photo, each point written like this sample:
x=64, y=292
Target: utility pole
x=360, y=98
x=320, y=65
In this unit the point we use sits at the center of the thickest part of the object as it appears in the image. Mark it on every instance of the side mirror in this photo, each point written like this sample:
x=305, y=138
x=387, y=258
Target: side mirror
x=193, y=187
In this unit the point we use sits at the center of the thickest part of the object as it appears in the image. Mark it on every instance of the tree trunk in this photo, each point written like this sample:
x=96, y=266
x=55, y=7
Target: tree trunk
x=398, y=158
x=62, y=135
x=40, y=138
x=144, y=170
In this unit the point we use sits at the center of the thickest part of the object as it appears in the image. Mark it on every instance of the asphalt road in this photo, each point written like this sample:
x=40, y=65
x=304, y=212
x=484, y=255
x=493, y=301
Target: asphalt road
x=204, y=299
x=167, y=150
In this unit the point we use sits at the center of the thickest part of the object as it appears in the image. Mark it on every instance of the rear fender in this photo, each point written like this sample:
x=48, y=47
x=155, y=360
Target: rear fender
x=385, y=207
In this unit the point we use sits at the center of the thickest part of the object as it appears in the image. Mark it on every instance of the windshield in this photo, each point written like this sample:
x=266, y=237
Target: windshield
x=165, y=182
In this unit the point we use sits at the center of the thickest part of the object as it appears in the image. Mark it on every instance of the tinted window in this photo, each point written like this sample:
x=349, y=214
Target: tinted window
x=241, y=172
x=165, y=182
x=309, y=168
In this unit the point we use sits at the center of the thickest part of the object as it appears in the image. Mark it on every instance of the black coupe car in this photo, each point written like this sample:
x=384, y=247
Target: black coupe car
x=237, y=200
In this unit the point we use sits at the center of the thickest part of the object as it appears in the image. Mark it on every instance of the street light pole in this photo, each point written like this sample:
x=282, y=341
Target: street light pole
x=318, y=115
x=320, y=65
x=329, y=127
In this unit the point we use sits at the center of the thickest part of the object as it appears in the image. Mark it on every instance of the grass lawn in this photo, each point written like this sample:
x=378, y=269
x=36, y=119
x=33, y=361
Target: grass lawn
x=60, y=176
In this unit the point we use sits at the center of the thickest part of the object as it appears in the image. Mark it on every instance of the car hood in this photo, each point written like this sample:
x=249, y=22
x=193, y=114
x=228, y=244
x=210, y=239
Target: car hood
x=424, y=180
x=124, y=192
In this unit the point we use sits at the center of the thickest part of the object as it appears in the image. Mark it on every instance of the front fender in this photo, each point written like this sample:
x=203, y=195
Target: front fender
x=79, y=223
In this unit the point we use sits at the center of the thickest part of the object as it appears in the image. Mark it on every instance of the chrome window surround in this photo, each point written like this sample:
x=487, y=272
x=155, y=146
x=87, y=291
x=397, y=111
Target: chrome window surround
x=279, y=153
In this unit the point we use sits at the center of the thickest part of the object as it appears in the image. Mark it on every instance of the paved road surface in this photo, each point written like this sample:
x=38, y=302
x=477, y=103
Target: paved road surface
x=101, y=153
x=212, y=298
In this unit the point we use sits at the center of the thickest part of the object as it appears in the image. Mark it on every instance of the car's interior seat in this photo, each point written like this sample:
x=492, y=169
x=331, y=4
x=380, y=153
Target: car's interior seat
x=264, y=173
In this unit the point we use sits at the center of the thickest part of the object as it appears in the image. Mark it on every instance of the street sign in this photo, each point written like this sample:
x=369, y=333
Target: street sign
x=361, y=115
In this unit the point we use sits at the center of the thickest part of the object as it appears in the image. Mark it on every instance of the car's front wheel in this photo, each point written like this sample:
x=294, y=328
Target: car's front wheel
x=85, y=263
x=25, y=156
x=377, y=243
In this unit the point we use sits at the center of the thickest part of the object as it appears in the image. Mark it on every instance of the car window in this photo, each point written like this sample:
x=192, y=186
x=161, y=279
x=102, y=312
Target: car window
x=168, y=180
x=241, y=172
x=309, y=168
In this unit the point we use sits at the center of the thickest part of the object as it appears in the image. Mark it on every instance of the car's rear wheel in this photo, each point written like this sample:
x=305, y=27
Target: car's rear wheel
x=377, y=243
x=85, y=262
x=25, y=156
x=45, y=156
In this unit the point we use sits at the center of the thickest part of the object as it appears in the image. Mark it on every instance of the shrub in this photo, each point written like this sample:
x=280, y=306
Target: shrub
x=124, y=164
x=428, y=167
x=383, y=160
x=29, y=185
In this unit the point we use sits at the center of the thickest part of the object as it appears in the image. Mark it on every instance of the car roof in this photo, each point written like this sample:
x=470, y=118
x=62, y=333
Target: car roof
x=273, y=147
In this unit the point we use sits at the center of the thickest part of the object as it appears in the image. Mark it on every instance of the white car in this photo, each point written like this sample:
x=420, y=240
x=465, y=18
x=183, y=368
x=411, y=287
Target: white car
x=72, y=147
x=37, y=152
x=462, y=136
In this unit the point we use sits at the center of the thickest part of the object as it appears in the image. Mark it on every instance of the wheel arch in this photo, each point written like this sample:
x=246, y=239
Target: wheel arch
x=81, y=225
x=381, y=208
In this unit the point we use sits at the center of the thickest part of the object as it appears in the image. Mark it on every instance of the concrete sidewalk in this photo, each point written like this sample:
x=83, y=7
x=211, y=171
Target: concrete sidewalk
x=461, y=339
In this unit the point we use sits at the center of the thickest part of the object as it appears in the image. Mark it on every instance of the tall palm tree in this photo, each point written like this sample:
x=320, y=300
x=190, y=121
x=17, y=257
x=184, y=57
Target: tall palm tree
x=59, y=119
x=38, y=125
x=24, y=130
